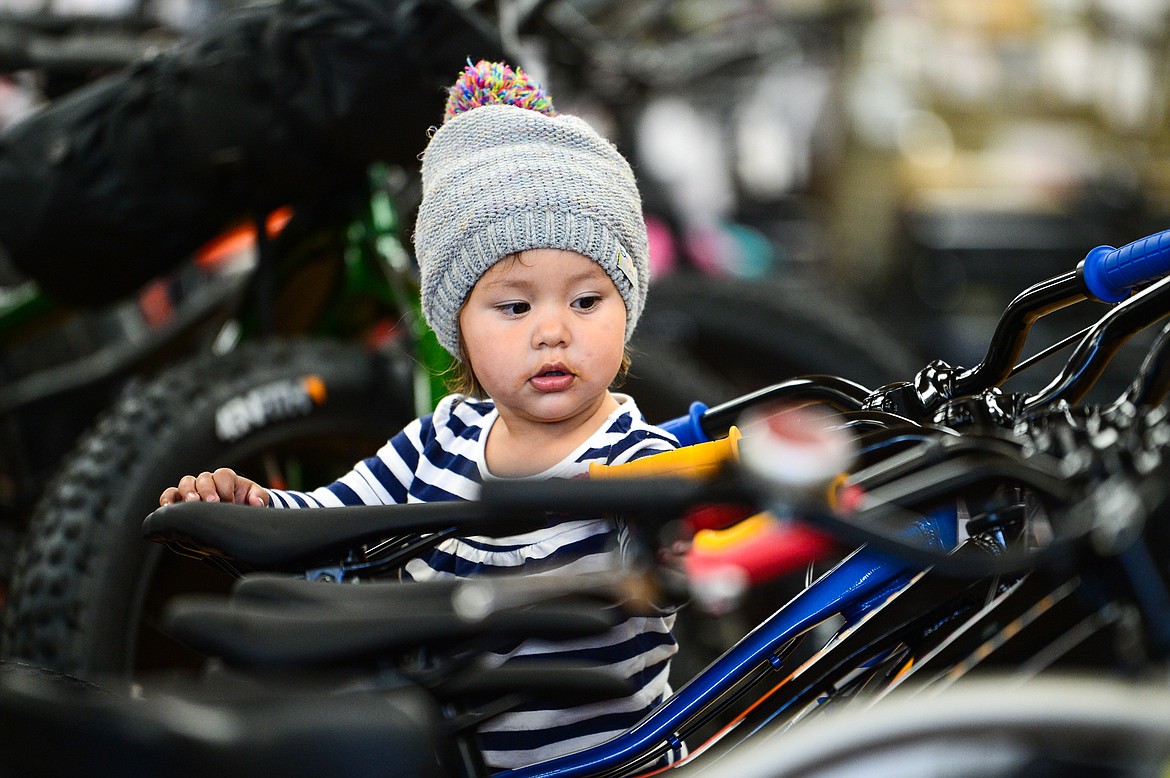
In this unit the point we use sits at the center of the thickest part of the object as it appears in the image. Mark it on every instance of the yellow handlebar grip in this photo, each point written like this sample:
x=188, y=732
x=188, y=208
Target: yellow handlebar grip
x=712, y=541
x=701, y=460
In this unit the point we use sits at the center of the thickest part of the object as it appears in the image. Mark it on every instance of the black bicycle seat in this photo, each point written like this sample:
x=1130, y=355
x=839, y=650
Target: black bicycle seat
x=335, y=631
x=631, y=590
x=274, y=539
x=53, y=729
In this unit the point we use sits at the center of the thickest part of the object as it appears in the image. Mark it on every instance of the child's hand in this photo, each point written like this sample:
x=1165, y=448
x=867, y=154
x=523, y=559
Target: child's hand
x=674, y=556
x=224, y=485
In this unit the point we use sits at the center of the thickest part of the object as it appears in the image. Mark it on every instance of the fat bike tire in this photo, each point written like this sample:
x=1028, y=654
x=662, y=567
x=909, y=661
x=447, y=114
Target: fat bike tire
x=86, y=586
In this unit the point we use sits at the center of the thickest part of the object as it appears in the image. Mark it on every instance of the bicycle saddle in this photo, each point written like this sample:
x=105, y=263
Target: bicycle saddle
x=299, y=625
x=292, y=540
x=633, y=591
x=329, y=625
x=53, y=730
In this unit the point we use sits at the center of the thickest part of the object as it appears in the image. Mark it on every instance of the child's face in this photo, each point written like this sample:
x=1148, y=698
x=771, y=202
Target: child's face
x=544, y=334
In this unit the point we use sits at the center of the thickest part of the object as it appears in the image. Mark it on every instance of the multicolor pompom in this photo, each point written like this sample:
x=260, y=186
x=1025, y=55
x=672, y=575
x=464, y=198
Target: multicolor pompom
x=495, y=83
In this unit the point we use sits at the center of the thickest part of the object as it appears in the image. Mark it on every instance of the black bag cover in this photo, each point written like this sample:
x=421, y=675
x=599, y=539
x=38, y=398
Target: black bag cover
x=121, y=180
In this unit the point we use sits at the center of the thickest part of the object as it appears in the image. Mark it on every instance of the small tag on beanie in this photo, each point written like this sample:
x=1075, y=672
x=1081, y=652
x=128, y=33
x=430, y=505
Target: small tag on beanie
x=626, y=265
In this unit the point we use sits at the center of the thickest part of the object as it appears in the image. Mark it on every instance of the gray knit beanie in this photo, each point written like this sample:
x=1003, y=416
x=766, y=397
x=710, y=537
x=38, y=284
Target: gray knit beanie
x=506, y=174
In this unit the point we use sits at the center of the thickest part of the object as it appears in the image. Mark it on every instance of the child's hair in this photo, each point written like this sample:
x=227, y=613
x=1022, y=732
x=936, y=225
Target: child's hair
x=506, y=173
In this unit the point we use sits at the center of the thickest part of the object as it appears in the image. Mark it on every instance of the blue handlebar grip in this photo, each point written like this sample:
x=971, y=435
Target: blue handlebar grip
x=688, y=429
x=1110, y=273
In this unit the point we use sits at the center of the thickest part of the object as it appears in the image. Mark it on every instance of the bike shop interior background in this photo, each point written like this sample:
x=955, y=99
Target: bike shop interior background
x=925, y=158
x=904, y=165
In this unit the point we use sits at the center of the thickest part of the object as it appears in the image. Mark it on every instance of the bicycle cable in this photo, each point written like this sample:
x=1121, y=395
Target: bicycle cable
x=1024, y=364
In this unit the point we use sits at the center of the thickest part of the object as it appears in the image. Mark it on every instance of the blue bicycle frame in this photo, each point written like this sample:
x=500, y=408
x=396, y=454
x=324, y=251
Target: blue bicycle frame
x=860, y=582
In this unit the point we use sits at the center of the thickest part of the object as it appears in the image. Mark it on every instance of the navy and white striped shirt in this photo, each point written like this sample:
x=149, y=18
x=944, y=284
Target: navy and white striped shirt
x=441, y=457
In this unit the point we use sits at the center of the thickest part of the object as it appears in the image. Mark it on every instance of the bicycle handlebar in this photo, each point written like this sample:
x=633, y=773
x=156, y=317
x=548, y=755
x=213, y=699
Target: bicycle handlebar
x=1103, y=340
x=77, y=44
x=1111, y=273
x=1106, y=274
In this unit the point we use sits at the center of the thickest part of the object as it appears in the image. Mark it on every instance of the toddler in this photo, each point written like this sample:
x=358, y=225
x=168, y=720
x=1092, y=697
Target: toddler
x=533, y=256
